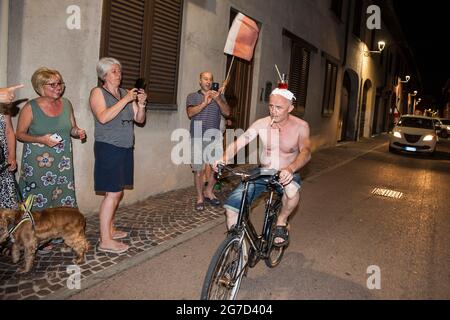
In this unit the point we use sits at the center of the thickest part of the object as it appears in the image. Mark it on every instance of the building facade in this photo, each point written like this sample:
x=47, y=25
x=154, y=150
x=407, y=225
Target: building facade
x=344, y=92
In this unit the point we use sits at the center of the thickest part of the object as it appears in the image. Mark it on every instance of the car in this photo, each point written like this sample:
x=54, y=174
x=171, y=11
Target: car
x=445, y=127
x=414, y=134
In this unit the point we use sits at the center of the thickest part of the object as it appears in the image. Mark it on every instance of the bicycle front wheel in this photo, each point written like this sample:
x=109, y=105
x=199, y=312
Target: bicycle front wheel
x=226, y=270
x=275, y=253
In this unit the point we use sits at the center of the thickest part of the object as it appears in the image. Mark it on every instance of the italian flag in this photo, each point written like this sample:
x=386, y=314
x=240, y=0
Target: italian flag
x=242, y=37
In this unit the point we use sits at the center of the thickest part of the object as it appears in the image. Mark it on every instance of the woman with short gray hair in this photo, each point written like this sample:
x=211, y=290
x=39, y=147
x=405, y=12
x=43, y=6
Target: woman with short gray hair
x=115, y=110
x=104, y=65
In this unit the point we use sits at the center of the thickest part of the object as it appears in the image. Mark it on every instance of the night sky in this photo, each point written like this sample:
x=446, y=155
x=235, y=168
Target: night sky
x=426, y=27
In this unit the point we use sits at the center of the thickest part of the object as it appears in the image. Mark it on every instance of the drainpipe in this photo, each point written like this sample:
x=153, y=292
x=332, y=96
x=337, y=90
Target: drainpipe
x=4, y=12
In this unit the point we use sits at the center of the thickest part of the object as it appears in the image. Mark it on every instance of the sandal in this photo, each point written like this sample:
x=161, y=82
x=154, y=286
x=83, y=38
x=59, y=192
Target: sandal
x=213, y=201
x=200, y=206
x=119, y=235
x=283, y=233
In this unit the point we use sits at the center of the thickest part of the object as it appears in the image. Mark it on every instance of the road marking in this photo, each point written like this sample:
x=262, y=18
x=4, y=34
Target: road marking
x=387, y=193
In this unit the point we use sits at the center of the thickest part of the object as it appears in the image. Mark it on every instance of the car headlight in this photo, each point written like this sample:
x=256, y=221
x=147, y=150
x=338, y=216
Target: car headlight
x=429, y=137
x=397, y=134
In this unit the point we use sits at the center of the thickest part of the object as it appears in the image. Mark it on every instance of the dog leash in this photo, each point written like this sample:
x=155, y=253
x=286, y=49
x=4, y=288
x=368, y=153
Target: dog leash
x=27, y=215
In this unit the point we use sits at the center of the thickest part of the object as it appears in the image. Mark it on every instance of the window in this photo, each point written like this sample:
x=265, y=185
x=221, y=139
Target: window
x=299, y=74
x=144, y=35
x=336, y=7
x=329, y=93
x=299, y=70
x=357, y=18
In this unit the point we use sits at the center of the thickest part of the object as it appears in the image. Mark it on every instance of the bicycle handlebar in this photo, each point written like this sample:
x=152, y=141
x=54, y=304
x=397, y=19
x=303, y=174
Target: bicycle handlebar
x=273, y=174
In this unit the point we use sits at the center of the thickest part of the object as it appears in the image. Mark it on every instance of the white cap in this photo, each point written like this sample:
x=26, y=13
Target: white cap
x=284, y=93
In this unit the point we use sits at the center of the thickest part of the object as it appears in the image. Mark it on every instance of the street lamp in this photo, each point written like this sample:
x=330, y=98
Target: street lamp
x=381, y=46
x=407, y=79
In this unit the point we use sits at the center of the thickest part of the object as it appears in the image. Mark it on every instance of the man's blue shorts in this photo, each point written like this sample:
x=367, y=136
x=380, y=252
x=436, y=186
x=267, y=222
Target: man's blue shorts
x=255, y=189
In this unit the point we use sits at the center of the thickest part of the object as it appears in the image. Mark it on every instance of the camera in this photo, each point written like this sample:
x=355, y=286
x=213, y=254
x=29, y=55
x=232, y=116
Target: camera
x=140, y=84
x=215, y=86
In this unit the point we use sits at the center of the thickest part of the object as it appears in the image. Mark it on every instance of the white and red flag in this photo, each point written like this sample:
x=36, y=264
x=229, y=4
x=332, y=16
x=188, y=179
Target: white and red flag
x=242, y=37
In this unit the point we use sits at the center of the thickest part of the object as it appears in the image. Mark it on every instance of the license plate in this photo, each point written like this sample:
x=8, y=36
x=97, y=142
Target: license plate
x=410, y=149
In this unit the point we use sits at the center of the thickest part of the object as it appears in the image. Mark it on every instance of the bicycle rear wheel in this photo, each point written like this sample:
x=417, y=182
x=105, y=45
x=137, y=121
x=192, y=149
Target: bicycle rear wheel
x=225, y=272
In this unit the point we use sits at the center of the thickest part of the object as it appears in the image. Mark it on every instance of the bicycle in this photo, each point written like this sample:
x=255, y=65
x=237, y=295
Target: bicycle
x=243, y=247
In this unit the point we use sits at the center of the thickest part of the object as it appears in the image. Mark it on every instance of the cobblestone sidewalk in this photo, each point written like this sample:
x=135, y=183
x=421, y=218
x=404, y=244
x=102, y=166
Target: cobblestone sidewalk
x=151, y=224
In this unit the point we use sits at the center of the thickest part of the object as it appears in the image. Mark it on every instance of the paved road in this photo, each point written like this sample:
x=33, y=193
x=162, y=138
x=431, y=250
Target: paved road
x=340, y=229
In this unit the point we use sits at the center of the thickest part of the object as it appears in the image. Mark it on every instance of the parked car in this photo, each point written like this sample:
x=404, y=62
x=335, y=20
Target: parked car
x=414, y=134
x=445, y=127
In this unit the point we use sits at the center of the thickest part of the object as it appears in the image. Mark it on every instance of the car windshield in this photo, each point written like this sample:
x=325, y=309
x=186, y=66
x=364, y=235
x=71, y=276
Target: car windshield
x=416, y=123
x=446, y=121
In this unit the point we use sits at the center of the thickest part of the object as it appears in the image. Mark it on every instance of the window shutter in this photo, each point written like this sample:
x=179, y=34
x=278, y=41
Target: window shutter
x=329, y=88
x=123, y=37
x=144, y=35
x=299, y=73
x=164, y=51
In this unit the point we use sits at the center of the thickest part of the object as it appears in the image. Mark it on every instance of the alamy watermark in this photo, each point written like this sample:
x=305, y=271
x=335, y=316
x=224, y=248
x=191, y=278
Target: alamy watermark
x=374, y=280
x=74, y=279
x=73, y=22
x=374, y=20
x=198, y=148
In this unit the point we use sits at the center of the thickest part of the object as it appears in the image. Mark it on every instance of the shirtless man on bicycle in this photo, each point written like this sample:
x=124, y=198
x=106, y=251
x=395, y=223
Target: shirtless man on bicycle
x=286, y=147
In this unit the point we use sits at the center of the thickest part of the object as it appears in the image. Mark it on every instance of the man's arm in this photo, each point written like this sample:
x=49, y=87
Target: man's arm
x=224, y=107
x=240, y=143
x=194, y=110
x=304, y=155
x=304, y=145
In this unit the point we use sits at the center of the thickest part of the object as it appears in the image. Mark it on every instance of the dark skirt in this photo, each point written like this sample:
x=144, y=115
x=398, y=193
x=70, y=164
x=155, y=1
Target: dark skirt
x=114, y=166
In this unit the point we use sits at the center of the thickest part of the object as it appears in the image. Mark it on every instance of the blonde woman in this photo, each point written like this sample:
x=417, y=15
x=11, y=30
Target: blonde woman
x=46, y=126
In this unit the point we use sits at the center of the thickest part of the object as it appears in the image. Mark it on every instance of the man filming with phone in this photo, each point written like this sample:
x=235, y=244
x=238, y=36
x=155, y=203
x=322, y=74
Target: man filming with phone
x=204, y=108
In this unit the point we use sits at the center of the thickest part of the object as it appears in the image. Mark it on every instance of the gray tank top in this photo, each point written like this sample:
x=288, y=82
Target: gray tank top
x=119, y=131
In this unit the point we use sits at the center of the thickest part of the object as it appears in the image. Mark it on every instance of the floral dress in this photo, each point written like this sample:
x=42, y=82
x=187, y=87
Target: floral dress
x=48, y=172
x=8, y=198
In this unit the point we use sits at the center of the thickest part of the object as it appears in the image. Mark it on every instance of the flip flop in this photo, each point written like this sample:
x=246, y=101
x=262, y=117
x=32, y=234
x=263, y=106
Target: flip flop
x=200, y=206
x=214, y=202
x=120, y=235
x=111, y=250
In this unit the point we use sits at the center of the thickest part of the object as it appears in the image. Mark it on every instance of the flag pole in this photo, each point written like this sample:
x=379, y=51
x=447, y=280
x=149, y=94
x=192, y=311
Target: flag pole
x=228, y=75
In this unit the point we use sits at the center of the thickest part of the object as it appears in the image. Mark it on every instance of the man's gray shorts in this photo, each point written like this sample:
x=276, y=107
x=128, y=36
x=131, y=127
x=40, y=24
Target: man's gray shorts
x=205, y=152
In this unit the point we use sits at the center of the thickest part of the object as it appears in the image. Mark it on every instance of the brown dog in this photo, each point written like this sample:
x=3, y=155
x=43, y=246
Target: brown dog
x=62, y=222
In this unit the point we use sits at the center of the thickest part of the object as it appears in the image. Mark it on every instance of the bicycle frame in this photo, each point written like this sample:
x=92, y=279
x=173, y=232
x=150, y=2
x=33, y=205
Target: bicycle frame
x=258, y=242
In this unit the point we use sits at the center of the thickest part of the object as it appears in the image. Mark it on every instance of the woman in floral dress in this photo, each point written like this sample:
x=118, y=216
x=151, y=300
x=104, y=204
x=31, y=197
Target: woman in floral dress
x=47, y=164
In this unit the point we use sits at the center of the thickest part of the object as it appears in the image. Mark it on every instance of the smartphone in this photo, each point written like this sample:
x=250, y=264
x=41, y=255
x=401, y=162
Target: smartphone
x=215, y=86
x=140, y=83
x=56, y=137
